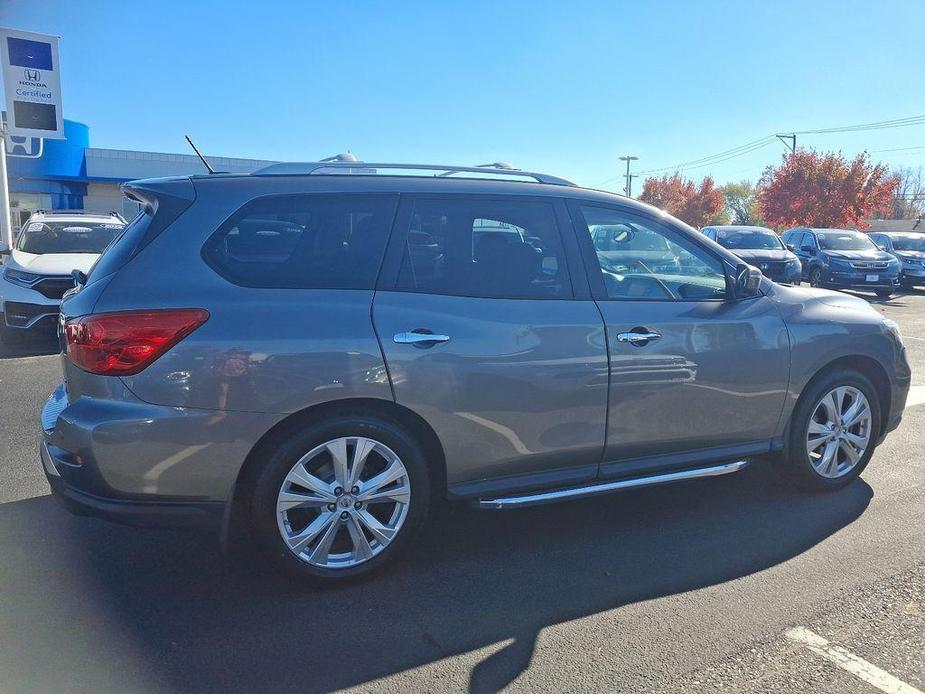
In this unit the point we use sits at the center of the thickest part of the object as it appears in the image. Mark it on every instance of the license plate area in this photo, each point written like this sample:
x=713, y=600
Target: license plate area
x=873, y=278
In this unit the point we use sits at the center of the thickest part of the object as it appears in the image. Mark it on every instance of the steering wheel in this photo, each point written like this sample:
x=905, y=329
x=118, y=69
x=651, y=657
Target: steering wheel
x=652, y=277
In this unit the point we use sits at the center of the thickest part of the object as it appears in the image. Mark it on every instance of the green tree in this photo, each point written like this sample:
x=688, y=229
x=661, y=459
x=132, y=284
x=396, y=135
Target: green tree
x=742, y=203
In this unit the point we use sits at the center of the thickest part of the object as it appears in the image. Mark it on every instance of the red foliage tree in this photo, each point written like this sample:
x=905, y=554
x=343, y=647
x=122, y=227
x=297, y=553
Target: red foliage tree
x=824, y=190
x=682, y=198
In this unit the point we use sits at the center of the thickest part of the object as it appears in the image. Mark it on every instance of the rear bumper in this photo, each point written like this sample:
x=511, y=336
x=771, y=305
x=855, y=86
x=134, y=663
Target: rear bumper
x=140, y=464
x=162, y=514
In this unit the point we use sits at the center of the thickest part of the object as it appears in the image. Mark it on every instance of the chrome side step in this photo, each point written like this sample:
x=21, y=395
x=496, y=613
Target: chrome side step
x=607, y=487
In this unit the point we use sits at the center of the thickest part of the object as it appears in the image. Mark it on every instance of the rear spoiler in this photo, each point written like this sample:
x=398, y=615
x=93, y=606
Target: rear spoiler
x=164, y=199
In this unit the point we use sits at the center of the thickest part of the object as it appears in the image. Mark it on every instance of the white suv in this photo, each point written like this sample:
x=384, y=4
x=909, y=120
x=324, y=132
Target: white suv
x=37, y=270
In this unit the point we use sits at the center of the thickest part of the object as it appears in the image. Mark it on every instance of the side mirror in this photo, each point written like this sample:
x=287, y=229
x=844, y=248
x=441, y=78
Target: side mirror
x=4, y=249
x=808, y=249
x=790, y=247
x=744, y=282
x=882, y=247
x=80, y=278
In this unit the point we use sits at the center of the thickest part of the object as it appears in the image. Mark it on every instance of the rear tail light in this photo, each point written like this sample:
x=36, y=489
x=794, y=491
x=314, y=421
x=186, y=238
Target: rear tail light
x=126, y=342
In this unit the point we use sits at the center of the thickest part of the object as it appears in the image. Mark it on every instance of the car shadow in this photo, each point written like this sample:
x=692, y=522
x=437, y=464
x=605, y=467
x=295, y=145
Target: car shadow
x=30, y=346
x=140, y=609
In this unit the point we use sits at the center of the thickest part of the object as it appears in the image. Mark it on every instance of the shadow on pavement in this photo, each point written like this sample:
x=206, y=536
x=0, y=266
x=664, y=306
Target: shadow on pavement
x=31, y=346
x=128, y=609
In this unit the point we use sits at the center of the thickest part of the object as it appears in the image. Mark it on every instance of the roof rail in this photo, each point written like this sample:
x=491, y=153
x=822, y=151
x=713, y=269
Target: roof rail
x=360, y=168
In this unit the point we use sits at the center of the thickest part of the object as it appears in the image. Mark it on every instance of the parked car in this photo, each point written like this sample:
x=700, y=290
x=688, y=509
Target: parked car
x=843, y=259
x=310, y=360
x=37, y=271
x=761, y=248
x=909, y=250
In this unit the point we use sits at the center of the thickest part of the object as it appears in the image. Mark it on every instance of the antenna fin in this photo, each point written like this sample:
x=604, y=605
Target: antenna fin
x=199, y=154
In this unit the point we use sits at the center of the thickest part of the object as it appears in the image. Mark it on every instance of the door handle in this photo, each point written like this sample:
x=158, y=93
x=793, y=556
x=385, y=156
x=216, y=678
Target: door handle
x=416, y=337
x=638, y=339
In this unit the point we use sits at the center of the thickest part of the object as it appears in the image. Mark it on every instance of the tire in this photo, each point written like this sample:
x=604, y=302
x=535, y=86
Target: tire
x=815, y=277
x=884, y=293
x=796, y=462
x=345, y=557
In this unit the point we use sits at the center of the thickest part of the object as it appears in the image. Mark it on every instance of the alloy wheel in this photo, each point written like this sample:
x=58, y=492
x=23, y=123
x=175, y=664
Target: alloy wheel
x=343, y=502
x=839, y=432
x=815, y=278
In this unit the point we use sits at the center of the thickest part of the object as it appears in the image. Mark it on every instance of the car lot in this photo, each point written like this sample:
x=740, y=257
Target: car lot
x=672, y=589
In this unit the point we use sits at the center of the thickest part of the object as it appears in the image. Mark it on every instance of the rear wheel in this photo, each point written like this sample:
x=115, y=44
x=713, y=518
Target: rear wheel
x=833, y=431
x=340, y=498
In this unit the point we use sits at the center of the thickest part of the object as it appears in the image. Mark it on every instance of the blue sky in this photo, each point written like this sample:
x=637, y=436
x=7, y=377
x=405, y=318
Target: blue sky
x=560, y=87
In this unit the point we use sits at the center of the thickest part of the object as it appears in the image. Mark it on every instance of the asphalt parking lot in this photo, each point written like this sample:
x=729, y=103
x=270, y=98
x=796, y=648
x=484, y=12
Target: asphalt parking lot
x=696, y=587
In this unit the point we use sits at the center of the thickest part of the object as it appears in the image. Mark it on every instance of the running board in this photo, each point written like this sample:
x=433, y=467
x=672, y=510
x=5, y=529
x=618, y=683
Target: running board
x=607, y=487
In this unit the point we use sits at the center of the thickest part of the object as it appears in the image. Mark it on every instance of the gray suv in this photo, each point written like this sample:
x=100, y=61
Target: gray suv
x=309, y=357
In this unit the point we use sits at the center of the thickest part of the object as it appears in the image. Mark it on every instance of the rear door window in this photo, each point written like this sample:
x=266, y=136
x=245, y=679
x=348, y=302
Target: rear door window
x=304, y=241
x=508, y=249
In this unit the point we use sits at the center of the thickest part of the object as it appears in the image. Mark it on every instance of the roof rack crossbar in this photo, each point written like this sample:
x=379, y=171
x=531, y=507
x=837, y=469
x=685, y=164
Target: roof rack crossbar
x=365, y=168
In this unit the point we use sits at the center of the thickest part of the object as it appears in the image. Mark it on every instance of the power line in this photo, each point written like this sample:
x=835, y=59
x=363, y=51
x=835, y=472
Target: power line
x=879, y=125
x=735, y=151
x=897, y=149
x=717, y=158
x=755, y=145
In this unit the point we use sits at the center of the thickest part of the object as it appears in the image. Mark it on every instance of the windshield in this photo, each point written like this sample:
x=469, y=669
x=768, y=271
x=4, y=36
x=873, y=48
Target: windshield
x=626, y=237
x=908, y=243
x=67, y=237
x=845, y=242
x=749, y=238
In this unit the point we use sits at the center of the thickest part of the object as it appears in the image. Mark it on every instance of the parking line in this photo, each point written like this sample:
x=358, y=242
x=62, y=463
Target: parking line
x=916, y=396
x=849, y=662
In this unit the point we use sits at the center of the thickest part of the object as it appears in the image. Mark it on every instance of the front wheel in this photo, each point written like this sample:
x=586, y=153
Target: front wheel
x=815, y=277
x=884, y=293
x=340, y=498
x=833, y=431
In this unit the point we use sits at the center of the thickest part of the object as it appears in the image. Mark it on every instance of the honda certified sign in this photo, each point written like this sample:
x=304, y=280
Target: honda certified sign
x=32, y=84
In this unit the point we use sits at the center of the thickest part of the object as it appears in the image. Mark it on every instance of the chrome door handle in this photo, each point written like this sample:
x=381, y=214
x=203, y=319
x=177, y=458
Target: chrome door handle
x=638, y=339
x=417, y=338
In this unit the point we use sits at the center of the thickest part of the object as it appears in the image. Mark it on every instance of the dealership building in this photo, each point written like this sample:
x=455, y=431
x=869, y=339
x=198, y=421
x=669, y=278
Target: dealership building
x=68, y=174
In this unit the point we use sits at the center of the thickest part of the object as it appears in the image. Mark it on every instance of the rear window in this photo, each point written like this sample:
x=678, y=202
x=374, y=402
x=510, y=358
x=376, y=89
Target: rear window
x=67, y=237
x=304, y=242
x=121, y=248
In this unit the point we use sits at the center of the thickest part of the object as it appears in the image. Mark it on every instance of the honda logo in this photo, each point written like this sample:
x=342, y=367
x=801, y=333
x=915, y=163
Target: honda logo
x=32, y=75
x=25, y=147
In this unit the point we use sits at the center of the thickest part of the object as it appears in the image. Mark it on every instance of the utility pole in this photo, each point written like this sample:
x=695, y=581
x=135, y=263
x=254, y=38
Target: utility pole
x=628, y=188
x=793, y=140
x=6, y=233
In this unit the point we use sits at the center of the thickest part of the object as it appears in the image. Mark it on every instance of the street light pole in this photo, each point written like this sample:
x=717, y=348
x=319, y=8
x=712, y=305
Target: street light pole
x=628, y=188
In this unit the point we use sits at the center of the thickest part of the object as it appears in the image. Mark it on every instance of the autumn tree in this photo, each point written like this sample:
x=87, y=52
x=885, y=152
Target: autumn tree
x=742, y=203
x=824, y=190
x=698, y=205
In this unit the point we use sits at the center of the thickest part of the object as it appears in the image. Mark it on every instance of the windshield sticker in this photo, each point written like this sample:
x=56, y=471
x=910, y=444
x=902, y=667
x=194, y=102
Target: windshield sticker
x=35, y=226
x=77, y=230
